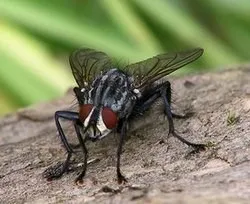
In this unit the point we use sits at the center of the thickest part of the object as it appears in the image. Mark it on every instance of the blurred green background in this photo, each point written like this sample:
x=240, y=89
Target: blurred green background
x=36, y=37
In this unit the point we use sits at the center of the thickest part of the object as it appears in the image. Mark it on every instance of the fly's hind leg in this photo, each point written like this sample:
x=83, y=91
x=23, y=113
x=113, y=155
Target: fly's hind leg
x=60, y=168
x=166, y=95
x=167, y=87
x=163, y=90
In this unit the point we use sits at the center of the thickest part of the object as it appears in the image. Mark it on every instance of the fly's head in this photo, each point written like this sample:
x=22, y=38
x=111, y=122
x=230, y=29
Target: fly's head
x=98, y=121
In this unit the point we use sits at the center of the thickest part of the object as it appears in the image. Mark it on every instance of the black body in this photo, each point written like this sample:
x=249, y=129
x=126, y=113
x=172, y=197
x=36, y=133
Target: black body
x=123, y=93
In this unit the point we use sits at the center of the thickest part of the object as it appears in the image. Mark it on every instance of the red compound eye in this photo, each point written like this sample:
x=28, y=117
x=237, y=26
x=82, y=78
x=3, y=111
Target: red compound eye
x=109, y=118
x=85, y=111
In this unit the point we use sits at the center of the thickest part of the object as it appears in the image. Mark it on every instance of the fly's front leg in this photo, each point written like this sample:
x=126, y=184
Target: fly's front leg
x=60, y=168
x=79, y=179
x=120, y=177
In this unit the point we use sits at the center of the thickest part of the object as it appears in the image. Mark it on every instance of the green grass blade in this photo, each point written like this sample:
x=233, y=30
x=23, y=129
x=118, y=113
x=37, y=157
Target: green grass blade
x=65, y=28
x=132, y=25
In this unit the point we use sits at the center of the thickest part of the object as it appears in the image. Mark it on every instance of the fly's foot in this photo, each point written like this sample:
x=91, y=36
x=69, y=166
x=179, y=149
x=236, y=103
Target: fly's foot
x=56, y=171
x=199, y=147
x=79, y=179
x=121, y=179
x=79, y=182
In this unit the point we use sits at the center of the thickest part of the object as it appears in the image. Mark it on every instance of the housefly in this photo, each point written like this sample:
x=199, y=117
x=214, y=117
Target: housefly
x=110, y=97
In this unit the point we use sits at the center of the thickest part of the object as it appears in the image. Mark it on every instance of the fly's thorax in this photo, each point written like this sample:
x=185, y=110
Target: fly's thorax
x=113, y=89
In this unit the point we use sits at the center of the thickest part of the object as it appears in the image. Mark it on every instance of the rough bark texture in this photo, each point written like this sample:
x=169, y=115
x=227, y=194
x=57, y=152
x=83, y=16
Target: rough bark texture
x=157, y=173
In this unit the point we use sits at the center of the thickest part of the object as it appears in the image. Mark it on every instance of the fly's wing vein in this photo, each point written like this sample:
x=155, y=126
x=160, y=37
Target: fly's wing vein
x=86, y=64
x=150, y=70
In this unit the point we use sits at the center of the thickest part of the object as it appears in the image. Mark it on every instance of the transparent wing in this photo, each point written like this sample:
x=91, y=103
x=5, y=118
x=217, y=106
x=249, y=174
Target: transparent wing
x=150, y=70
x=86, y=64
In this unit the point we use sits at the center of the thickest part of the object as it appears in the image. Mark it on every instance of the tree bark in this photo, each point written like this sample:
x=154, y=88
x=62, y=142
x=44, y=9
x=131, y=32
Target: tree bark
x=156, y=172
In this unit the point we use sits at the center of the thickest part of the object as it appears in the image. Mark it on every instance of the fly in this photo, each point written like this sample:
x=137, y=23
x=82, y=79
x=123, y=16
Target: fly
x=109, y=98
